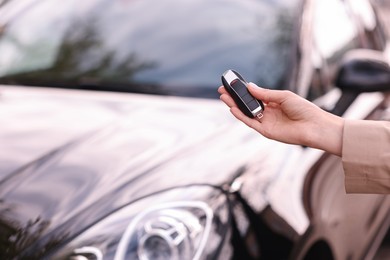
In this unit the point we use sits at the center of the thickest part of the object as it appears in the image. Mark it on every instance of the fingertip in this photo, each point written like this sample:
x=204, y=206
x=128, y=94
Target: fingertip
x=221, y=90
x=253, y=85
x=256, y=91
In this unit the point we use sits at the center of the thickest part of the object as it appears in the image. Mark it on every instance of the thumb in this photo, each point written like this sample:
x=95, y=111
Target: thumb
x=267, y=95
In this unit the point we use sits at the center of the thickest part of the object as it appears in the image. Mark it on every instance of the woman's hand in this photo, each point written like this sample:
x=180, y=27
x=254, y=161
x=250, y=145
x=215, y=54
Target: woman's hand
x=291, y=119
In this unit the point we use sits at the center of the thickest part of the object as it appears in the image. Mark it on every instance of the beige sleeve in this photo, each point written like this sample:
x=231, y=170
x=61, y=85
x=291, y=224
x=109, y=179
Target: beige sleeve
x=366, y=156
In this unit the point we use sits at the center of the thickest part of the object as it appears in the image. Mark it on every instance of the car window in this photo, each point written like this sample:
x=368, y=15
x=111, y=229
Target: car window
x=334, y=33
x=167, y=46
x=331, y=17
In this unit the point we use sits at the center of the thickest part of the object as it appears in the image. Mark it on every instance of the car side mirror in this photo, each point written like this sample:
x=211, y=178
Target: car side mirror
x=363, y=71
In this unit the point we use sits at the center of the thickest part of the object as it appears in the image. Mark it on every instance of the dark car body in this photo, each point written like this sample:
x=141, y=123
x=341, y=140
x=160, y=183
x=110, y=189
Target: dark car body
x=113, y=145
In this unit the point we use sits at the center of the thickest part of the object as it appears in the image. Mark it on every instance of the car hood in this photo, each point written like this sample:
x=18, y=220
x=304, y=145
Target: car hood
x=69, y=157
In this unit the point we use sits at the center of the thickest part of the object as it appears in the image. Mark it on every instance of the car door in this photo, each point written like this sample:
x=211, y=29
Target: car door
x=343, y=226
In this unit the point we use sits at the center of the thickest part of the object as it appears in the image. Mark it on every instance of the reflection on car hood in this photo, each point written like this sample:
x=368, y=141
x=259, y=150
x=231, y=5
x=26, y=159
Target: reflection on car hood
x=69, y=157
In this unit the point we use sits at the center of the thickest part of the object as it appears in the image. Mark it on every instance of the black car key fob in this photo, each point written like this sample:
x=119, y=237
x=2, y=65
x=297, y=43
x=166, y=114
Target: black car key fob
x=235, y=85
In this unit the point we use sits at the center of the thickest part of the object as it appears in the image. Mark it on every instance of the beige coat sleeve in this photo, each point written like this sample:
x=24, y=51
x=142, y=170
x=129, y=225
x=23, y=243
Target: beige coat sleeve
x=366, y=156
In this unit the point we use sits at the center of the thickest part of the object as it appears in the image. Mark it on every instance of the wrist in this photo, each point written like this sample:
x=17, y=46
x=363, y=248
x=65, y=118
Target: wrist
x=327, y=133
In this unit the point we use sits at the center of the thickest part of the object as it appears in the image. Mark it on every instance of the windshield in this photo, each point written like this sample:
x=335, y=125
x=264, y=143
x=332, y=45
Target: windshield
x=144, y=45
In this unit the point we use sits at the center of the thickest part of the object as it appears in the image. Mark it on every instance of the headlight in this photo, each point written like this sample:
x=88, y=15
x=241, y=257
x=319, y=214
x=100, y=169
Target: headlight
x=159, y=227
x=174, y=231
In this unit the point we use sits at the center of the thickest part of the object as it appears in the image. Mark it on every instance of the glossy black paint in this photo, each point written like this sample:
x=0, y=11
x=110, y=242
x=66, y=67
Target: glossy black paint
x=58, y=193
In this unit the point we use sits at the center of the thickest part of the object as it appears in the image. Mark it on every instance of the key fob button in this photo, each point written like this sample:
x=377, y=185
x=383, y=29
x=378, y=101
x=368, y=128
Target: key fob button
x=253, y=104
x=239, y=88
x=247, y=98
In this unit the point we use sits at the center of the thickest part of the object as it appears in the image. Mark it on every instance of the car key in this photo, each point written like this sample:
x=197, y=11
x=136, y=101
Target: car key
x=235, y=85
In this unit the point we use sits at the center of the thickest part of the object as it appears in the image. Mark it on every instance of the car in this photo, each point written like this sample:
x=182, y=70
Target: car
x=114, y=144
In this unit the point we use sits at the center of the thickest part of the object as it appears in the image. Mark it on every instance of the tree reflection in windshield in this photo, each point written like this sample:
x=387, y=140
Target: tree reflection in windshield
x=275, y=67
x=81, y=60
